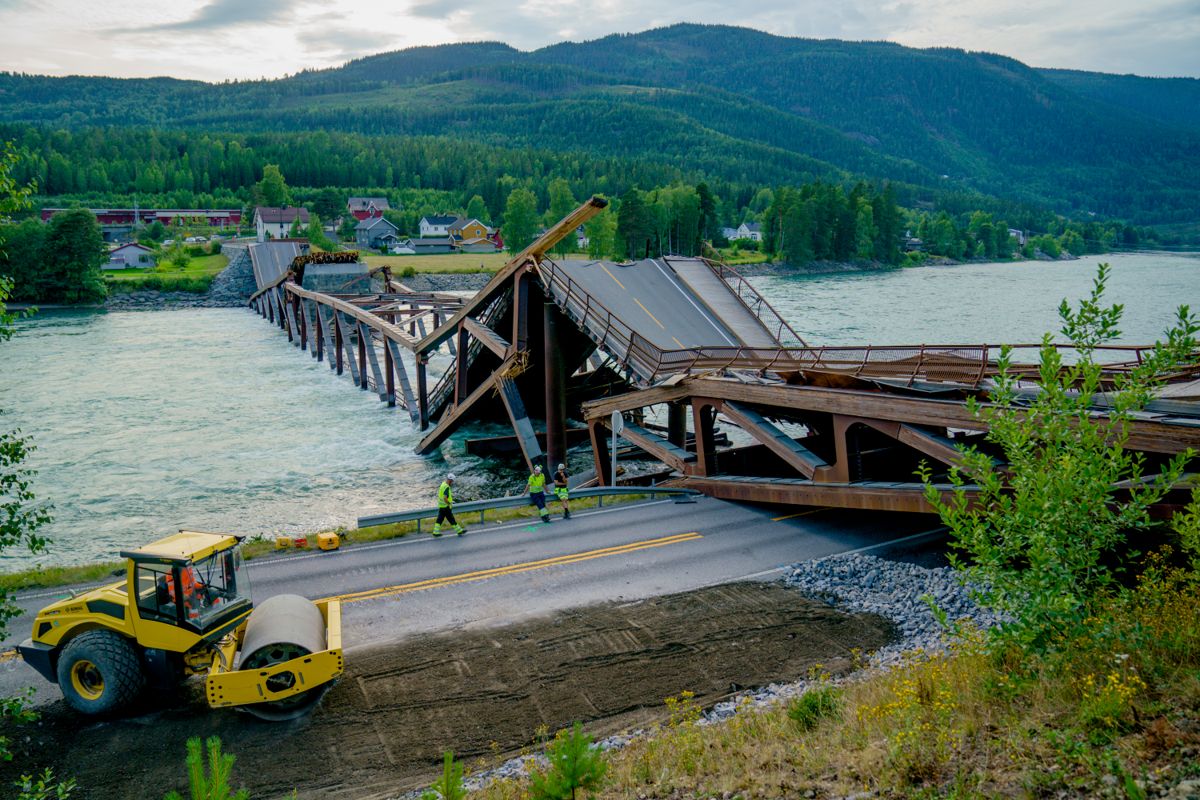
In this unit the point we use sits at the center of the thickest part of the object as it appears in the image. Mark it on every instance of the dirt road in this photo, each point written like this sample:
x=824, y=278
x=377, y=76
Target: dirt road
x=482, y=693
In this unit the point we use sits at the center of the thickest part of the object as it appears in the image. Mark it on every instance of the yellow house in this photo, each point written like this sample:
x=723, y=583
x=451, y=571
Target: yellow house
x=463, y=229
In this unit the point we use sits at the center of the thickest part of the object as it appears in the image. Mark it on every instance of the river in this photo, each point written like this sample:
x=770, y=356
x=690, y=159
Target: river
x=150, y=421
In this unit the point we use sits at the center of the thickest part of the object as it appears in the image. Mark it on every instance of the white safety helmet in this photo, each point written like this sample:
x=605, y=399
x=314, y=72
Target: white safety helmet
x=537, y=468
x=450, y=476
x=562, y=466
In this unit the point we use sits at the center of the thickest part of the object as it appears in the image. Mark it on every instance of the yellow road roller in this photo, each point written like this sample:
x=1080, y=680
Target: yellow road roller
x=184, y=609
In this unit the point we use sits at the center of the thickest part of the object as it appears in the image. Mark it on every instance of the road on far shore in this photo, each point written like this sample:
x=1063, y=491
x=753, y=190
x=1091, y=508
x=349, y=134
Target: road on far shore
x=514, y=571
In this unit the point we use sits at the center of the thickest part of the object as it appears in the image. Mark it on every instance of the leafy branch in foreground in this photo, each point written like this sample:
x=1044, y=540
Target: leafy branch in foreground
x=1035, y=541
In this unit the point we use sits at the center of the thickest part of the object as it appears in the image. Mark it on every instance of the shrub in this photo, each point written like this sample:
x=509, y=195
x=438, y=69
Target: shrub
x=195, y=250
x=211, y=783
x=575, y=765
x=450, y=785
x=813, y=706
x=408, y=272
x=1041, y=537
x=43, y=787
x=214, y=247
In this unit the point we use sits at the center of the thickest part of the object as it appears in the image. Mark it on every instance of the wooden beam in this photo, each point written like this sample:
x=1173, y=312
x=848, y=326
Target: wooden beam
x=515, y=406
x=792, y=452
x=658, y=447
x=488, y=337
x=533, y=252
x=450, y=421
x=402, y=375
x=350, y=359
x=875, y=496
x=373, y=359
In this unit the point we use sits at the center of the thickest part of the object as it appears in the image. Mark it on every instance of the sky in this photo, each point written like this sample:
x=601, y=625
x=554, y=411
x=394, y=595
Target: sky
x=218, y=40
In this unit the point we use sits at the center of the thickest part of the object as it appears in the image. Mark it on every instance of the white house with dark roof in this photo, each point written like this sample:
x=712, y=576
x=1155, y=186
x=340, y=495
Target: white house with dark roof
x=749, y=230
x=437, y=225
x=277, y=222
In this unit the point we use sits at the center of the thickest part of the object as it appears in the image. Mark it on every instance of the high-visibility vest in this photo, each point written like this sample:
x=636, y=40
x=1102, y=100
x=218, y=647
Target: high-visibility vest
x=190, y=593
x=560, y=479
x=445, y=496
x=537, y=483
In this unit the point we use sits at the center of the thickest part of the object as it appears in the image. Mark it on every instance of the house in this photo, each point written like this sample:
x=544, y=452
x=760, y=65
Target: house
x=463, y=229
x=364, y=207
x=480, y=244
x=729, y=233
x=371, y=232
x=1018, y=235
x=423, y=246
x=749, y=230
x=277, y=222
x=117, y=223
x=437, y=225
x=130, y=256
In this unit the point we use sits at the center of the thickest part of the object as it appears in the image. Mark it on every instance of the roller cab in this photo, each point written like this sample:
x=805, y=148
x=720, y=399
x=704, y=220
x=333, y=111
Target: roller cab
x=185, y=609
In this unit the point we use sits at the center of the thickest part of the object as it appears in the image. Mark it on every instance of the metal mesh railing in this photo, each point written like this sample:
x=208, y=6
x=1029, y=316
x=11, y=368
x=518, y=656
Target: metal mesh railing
x=757, y=305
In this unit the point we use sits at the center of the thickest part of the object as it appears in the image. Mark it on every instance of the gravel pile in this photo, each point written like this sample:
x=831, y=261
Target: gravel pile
x=445, y=282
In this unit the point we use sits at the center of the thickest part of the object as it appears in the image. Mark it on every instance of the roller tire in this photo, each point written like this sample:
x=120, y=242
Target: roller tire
x=99, y=672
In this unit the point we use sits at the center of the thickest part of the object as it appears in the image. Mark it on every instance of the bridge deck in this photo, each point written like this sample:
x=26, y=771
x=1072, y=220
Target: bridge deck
x=272, y=259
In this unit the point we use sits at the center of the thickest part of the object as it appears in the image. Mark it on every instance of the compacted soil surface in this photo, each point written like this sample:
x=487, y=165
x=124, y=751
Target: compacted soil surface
x=482, y=693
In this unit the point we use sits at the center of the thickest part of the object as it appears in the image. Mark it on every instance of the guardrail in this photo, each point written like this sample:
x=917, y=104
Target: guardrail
x=517, y=501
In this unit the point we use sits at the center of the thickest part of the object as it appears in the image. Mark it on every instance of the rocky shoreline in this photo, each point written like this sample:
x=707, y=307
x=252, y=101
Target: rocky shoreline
x=231, y=288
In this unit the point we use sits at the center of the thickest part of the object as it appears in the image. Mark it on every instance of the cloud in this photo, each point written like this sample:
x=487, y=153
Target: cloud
x=220, y=14
x=340, y=43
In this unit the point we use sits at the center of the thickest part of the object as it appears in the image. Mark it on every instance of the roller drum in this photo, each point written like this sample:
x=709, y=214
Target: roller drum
x=283, y=627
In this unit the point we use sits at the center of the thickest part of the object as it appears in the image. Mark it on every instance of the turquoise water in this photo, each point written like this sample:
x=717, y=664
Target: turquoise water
x=980, y=303
x=146, y=422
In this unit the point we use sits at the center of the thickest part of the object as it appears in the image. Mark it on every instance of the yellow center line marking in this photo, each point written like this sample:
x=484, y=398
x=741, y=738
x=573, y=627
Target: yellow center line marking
x=514, y=569
x=651, y=316
x=799, y=514
x=614, y=277
x=681, y=344
x=8, y=655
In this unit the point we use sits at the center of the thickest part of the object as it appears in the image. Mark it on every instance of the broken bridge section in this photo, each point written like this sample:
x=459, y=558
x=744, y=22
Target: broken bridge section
x=554, y=347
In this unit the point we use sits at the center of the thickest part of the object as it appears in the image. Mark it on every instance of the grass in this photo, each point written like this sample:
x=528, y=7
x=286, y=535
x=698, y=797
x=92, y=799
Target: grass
x=1111, y=713
x=447, y=263
x=257, y=547
x=735, y=257
x=196, y=277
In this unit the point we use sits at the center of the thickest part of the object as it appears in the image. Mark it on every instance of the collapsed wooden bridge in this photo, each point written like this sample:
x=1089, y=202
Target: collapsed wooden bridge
x=555, y=347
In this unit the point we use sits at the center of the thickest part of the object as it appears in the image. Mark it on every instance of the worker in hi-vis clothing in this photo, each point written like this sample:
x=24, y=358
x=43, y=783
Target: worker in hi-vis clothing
x=446, y=507
x=560, y=489
x=537, y=492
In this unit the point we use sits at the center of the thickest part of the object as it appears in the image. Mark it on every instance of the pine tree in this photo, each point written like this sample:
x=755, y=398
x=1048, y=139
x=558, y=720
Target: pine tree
x=520, y=220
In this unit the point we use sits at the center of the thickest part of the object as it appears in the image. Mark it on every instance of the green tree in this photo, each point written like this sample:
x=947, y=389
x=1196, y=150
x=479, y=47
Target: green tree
x=576, y=766
x=330, y=203
x=601, y=232
x=316, y=235
x=273, y=188
x=208, y=779
x=1040, y=540
x=477, y=209
x=21, y=259
x=73, y=255
x=635, y=227
x=562, y=203
x=709, y=224
x=520, y=220
x=179, y=257
x=864, y=230
x=21, y=516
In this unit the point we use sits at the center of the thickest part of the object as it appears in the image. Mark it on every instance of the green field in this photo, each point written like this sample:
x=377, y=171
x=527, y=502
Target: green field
x=449, y=262
x=195, y=277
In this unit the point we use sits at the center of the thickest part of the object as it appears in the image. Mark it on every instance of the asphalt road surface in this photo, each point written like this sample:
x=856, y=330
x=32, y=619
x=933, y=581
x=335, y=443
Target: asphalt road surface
x=652, y=299
x=504, y=573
